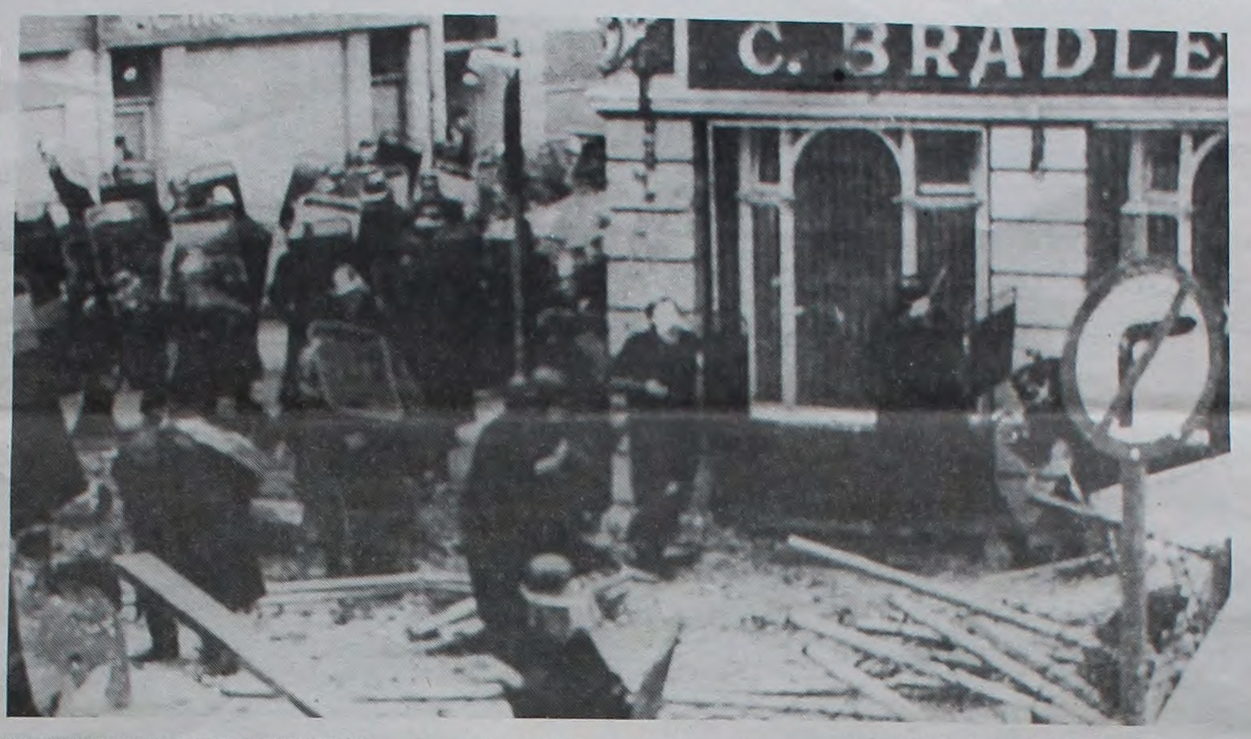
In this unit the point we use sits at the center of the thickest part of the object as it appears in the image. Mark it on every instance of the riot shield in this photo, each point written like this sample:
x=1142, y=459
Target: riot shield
x=137, y=181
x=355, y=368
x=194, y=192
x=127, y=252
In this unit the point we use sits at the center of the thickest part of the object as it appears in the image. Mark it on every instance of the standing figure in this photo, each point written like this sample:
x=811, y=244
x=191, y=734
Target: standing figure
x=358, y=461
x=213, y=299
x=127, y=251
x=187, y=485
x=516, y=504
x=210, y=195
x=658, y=369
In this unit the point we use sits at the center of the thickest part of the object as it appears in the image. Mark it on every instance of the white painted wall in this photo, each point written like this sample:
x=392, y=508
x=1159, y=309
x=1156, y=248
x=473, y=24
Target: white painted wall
x=259, y=106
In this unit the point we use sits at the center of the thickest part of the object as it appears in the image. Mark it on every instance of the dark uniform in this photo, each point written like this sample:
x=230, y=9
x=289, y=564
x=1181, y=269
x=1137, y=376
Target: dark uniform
x=664, y=447
x=570, y=343
x=358, y=458
x=430, y=287
x=127, y=250
x=249, y=241
x=187, y=487
x=217, y=276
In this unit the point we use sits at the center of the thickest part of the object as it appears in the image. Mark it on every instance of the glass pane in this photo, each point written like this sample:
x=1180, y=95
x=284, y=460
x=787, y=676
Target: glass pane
x=1162, y=236
x=388, y=51
x=134, y=73
x=945, y=156
x=130, y=135
x=768, y=338
x=768, y=143
x=1163, y=149
x=946, y=242
x=388, y=102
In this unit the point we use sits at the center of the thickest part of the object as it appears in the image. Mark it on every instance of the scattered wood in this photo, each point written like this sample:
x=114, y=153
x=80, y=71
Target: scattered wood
x=904, y=657
x=1046, y=665
x=961, y=659
x=429, y=627
x=1018, y=672
x=834, y=705
x=866, y=685
x=366, y=586
x=453, y=634
x=912, y=632
x=1062, y=568
x=927, y=587
x=647, y=700
x=210, y=618
x=463, y=692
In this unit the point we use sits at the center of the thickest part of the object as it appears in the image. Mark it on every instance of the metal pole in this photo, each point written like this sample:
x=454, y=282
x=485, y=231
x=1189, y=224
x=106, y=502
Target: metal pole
x=1134, y=591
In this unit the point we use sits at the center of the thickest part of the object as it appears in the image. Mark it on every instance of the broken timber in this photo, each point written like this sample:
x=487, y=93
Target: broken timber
x=905, y=658
x=867, y=685
x=366, y=586
x=1063, y=676
x=1018, y=672
x=925, y=586
x=210, y=618
x=429, y=627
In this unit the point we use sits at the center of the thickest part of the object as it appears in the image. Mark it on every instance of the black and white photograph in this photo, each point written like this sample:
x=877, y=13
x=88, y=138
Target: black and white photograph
x=434, y=365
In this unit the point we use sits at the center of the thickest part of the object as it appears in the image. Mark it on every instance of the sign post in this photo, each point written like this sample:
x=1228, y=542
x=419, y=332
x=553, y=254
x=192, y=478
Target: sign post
x=1140, y=367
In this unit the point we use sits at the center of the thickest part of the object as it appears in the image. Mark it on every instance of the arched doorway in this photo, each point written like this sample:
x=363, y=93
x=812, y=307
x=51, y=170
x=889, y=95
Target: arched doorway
x=848, y=239
x=1210, y=247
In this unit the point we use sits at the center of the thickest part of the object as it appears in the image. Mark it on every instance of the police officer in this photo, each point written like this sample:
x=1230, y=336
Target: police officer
x=214, y=301
x=187, y=484
x=516, y=503
x=355, y=472
x=658, y=369
x=128, y=248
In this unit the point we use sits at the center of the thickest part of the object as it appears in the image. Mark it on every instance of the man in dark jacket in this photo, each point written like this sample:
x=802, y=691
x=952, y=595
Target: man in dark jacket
x=658, y=370
x=187, y=485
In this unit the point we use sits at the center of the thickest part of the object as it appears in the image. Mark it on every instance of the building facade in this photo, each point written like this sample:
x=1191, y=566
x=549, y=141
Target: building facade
x=799, y=171
x=257, y=91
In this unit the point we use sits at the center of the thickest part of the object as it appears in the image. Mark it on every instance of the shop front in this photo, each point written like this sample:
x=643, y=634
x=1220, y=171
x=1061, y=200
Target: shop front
x=258, y=91
x=799, y=173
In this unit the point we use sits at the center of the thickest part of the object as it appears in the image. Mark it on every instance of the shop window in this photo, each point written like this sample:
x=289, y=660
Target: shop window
x=135, y=73
x=769, y=164
x=470, y=27
x=388, y=66
x=945, y=159
x=1160, y=151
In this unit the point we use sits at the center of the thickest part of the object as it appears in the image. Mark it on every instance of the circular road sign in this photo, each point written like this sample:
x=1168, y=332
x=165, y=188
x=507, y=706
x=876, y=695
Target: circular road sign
x=1142, y=360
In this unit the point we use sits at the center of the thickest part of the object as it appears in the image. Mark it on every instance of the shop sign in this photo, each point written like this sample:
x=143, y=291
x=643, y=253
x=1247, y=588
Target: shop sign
x=160, y=30
x=834, y=57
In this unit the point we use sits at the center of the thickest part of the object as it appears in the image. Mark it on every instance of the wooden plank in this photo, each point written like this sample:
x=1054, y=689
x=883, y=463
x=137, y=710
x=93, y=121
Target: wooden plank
x=867, y=685
x=366, y=586
x=907, y=658
x=210, y=618
x=460, y=692
x=996, y=658
x=832, y=705
x=1047, y=571
x=912, y=632
x=429, y=627
x=927, y=587
x=1043, y=664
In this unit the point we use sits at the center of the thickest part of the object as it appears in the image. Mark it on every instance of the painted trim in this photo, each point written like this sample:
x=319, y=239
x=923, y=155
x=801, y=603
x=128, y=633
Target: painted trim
x=847, y=419
x=788, y=106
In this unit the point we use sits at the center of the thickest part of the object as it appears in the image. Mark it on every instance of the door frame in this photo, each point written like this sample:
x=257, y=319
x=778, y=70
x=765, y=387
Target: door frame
x=793, y=138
